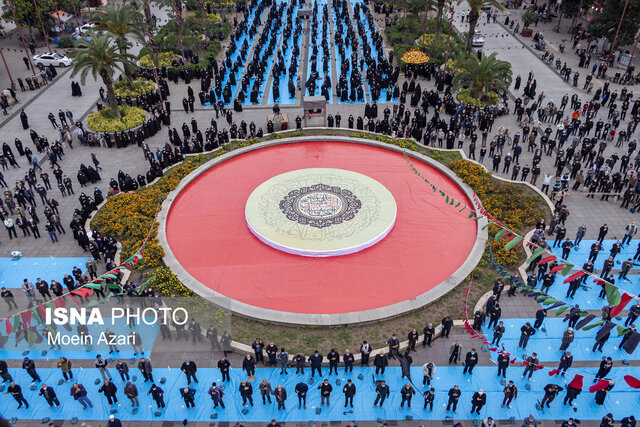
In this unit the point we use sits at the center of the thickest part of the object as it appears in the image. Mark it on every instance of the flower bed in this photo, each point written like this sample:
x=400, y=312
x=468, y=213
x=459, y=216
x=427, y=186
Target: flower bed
x=140, y=87
x=105, y=119
x=165, y=59
x=505, y=201
x=463, y=96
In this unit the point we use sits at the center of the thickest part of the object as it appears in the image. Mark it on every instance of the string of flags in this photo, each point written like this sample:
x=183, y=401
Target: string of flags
x=513, y=240
x=614, y=295
x=513, y=360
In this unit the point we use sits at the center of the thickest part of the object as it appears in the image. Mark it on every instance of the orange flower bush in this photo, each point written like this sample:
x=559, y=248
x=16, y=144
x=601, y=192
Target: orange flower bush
x=505, y=201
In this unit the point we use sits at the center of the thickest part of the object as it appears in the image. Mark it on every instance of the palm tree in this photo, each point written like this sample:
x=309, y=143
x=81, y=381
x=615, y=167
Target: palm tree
x=147, y=39
x=474, y=14
x=100, y=56
x=439, y=12
x=121, y=21
x=482, y=76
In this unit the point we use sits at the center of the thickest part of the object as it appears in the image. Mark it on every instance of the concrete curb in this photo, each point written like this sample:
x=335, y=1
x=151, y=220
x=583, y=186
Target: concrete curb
x=319, y=319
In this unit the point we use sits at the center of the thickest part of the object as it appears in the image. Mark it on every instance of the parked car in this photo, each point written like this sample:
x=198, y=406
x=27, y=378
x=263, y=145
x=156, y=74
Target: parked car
x=478, y=40
x=55, y=59
x=84, y=28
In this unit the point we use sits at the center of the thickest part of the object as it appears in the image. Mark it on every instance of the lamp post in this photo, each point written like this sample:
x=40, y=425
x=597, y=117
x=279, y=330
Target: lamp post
x=24, y=45
x=633, y=52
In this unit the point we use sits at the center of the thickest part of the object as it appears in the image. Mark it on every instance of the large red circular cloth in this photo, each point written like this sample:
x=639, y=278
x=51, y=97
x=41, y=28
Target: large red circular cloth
x=208, y=235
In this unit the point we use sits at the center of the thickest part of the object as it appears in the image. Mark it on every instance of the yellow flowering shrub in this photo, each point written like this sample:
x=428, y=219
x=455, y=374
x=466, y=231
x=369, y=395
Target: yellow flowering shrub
x=105, y=121
x=168, y=284
x=164, y=59
x=140, y=87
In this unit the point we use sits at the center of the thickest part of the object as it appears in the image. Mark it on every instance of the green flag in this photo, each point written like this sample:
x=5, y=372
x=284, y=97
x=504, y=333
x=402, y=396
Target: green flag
x=593, y=325
x=539, y=251
x=567, y=268
x=513, y=243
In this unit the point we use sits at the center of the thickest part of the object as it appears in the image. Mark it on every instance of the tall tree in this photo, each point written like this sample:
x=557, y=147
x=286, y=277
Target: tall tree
x=121, y=21
x=474, y=15
x=439, y=13
x=176, y=10
x=100, y=56
x=606, y=22
x=481, y=76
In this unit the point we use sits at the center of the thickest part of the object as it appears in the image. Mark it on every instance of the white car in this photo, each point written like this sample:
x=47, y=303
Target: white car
x=478, y=40
x=55, y=59
x=84, y=28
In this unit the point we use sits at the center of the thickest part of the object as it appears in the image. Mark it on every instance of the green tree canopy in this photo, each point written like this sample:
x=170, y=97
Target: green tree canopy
x=606, y=23
x=481, y=76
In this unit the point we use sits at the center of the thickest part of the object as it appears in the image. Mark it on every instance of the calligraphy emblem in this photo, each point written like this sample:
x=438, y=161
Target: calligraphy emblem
x=320, y=205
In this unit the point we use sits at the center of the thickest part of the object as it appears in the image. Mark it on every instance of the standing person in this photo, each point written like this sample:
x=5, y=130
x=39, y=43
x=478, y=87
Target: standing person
x=428, y=371
x=498, y=331
x=265, y=391
x=157, y=394
x=382, y=392
x=216, y=394
x=4, y=372
x=526, y=331
x=333, y=358
x=131, y=391
x=532, y=363
x=7, y=295
x=79, y=393
x=123, y=370
x=16, y=392
x=550, y=393
x=348, y=360
x=365, y=352
x=478, y=400
x=601, y=394
x=246, y=391
x=566, y=360
x=272, y=352
x=540, y=316
x=567, y=339
x=413, y=339
x=510, y=393
x=258, y=347
x=283, y=359
x=281, y=396
x=316, y=363
x=447, y=324
x=429, y=396
x=428, y=332
x=407, y=392
x=630, y=231
x=301, y=390
x=144, y=365
x=223, y=366
x=109, y=389
x=380, y=362
x=30, y=366
x=582, y=231
x=349, y=391
x=190, y=368
x=65, y=366
x=605, y=368
x=249, y=365
x=188, y=397
x=454, y=395
x=470, y=361
x=394, y=346
x=50, y=396
x=325, y=392
x=455, y=351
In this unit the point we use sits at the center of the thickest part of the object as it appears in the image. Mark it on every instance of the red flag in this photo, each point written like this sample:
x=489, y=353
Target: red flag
x=42, y=310
x=632, y=381
x=8, y=326
x=524, y=363
x=547, y=259
x=26, y=318
x=494, y=349
x=575, y=276
x=624, y=300
x=557, y=268
x=538, y=367
x=554, y=372
x=600, y=385
x=73, y=299
x=513, y=361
